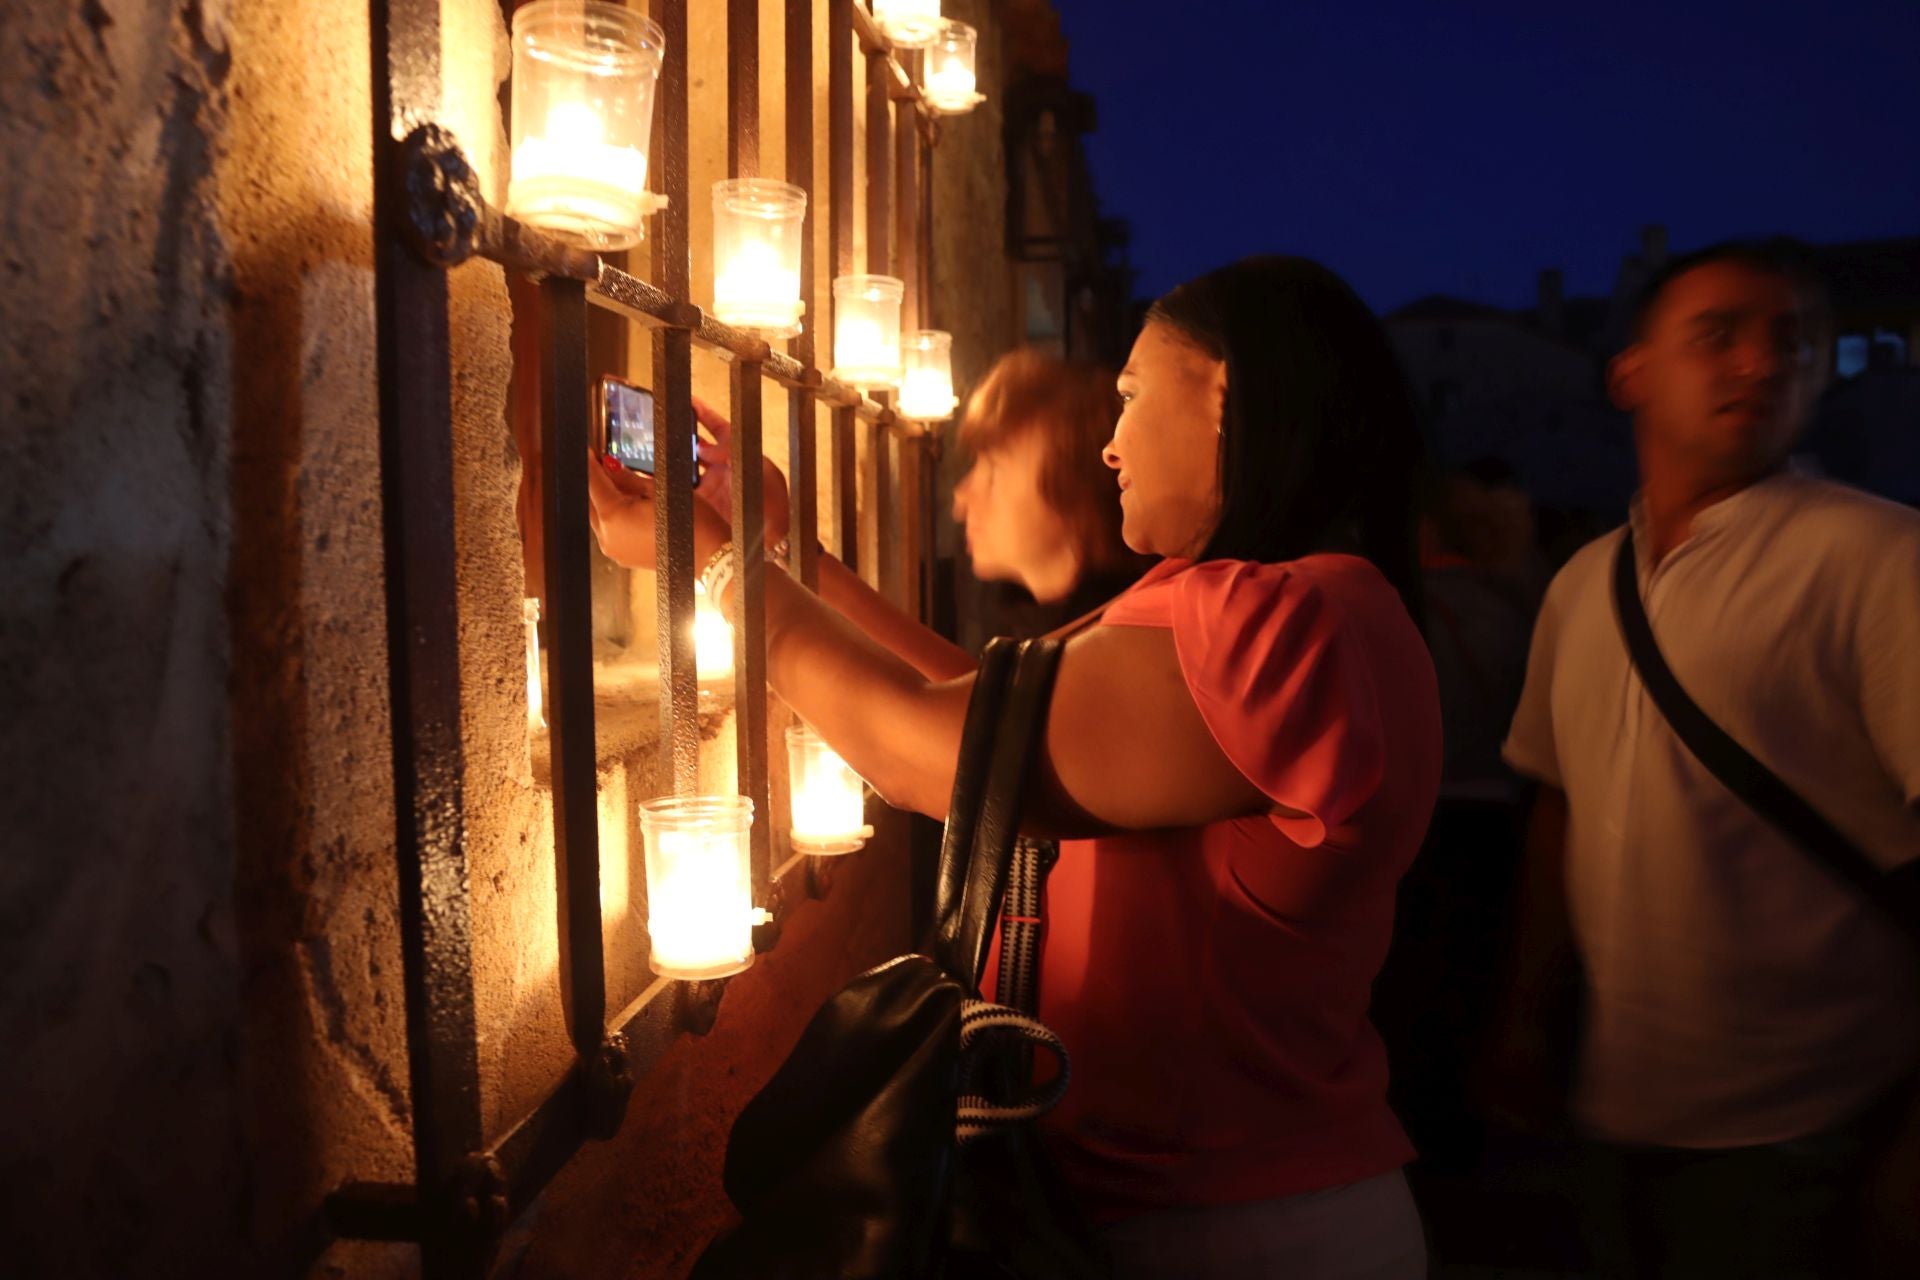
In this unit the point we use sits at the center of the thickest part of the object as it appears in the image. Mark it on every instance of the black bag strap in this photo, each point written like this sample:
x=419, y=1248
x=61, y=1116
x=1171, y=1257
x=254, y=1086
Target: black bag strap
x=984, y=708
x=970, y=890
x=1018, y=985
x=1741, y=773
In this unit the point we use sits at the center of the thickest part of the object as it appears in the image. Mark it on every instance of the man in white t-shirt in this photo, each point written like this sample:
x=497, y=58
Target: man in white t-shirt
x=1751, y=1023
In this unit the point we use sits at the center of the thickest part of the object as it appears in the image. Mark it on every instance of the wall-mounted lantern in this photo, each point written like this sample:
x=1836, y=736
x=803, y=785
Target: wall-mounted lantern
x=757, y=229
x=866, y=330
x=909, y=24
x=926, y=390
x=583, y=82
x=700, y=912
x=950, y=78
x=536, y=710
x=829, y=798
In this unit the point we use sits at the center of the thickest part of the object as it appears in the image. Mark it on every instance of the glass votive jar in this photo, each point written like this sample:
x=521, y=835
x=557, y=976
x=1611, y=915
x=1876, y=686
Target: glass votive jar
x=907, y=23
x=757, y=228
x=829, y=798
x=583, y=82
x=926, y=387
x=700, y=912
x=530, y=617
x=866, y=330
x=950, y=79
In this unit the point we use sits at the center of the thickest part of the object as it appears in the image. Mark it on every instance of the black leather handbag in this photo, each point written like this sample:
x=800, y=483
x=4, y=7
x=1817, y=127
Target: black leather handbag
x=892, y=1143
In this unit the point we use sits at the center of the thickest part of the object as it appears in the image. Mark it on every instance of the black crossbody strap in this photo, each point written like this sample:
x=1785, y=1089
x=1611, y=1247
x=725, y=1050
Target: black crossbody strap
x=960, y=943
x=1741, y=773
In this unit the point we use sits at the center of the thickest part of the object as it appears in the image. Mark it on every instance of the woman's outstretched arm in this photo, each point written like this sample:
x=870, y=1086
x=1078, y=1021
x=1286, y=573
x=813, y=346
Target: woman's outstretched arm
x=929, y=652
x=1126, y=748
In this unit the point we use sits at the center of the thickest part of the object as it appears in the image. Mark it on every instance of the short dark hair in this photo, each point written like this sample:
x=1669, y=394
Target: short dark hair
x=1782, y=256
x=1321, y=442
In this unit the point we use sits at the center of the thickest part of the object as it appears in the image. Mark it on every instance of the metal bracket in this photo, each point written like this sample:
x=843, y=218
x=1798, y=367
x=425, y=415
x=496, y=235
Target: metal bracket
x=444, y=209
x=699, y=1004
x=608, y=1074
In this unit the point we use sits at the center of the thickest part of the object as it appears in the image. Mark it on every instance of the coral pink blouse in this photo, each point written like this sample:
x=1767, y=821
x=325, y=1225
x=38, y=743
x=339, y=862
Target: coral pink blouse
x=1211, y=983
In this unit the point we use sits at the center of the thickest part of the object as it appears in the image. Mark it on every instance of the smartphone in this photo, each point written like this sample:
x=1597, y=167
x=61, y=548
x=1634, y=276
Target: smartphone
x=626, y=427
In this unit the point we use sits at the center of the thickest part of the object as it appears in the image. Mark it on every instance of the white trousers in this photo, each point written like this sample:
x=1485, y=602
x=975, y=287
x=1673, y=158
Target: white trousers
x=1364, y=1231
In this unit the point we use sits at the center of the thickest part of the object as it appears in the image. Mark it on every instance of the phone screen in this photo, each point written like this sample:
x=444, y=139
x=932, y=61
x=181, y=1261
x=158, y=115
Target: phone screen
x=629, y=423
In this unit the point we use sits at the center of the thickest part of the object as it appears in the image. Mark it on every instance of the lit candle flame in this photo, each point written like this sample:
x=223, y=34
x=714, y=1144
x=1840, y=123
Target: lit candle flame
x=699, y=912
x=754, y=290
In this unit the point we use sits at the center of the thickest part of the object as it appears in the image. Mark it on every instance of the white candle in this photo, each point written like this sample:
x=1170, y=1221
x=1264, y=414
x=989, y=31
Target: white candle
x=829, y=798
x=926, y=394
x=950, y=85
x=753, y=289
x=568, y=178
x=699, y=912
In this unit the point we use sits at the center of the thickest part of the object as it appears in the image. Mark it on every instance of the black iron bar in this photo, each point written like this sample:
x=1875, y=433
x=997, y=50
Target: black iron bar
x=569, y=613
x=750, y=620
x=743, y=88
x=414, y=354
x=906, y=250
x=846, y=497
x=845, y=509
x=673, y=419
x=886, y=558
x=803, y=478
x=879, y=262
x=879, y=160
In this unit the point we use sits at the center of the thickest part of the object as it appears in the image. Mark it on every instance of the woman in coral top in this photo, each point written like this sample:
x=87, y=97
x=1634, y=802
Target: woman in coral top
x=1240, y=760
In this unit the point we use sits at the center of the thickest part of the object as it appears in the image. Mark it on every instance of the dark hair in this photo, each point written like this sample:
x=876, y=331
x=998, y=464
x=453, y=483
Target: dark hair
x=1781, y=256
x=1321, y=443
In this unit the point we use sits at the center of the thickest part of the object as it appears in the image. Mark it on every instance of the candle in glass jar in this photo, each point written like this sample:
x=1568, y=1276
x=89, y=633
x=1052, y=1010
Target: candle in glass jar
x=866, y=330
x=700, y=913
x=759, y=225
x=926, y=392
x=829, y=798
x=584, y=74
x=754, y=290
x=950, y=82
x=569, y=174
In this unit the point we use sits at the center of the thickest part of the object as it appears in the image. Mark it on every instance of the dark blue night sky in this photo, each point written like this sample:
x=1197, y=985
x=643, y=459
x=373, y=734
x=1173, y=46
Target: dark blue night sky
x=1459, y=147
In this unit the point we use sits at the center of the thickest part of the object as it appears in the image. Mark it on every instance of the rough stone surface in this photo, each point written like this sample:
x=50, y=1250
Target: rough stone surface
x=121, y=998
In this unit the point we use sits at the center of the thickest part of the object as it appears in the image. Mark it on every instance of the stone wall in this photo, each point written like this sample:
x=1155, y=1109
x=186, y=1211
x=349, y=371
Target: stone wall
x=202, y=1013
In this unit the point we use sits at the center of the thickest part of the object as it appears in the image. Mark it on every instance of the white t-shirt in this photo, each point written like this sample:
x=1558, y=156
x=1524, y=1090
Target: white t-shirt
x=1737, y=993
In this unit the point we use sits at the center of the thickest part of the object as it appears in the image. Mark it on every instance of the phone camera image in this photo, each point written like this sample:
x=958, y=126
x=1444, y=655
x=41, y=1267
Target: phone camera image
x=630, y=426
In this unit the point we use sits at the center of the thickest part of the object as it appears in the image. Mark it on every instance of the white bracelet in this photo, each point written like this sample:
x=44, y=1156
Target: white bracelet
x=718, y=573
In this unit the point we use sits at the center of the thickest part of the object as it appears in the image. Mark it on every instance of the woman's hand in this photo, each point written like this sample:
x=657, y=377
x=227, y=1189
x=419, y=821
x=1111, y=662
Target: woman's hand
x=621, y=511
x=716, y=486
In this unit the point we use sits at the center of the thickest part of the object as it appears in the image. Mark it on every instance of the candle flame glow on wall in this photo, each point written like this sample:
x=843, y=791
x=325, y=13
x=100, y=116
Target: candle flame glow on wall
x=907, y=23
x=950, y=83
x=829, y=798
x=712, y=638
x=757, y=229
x=926, y=393
x=583, y=85
x=536, y=710
x=866, y=330
x=700, y=912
